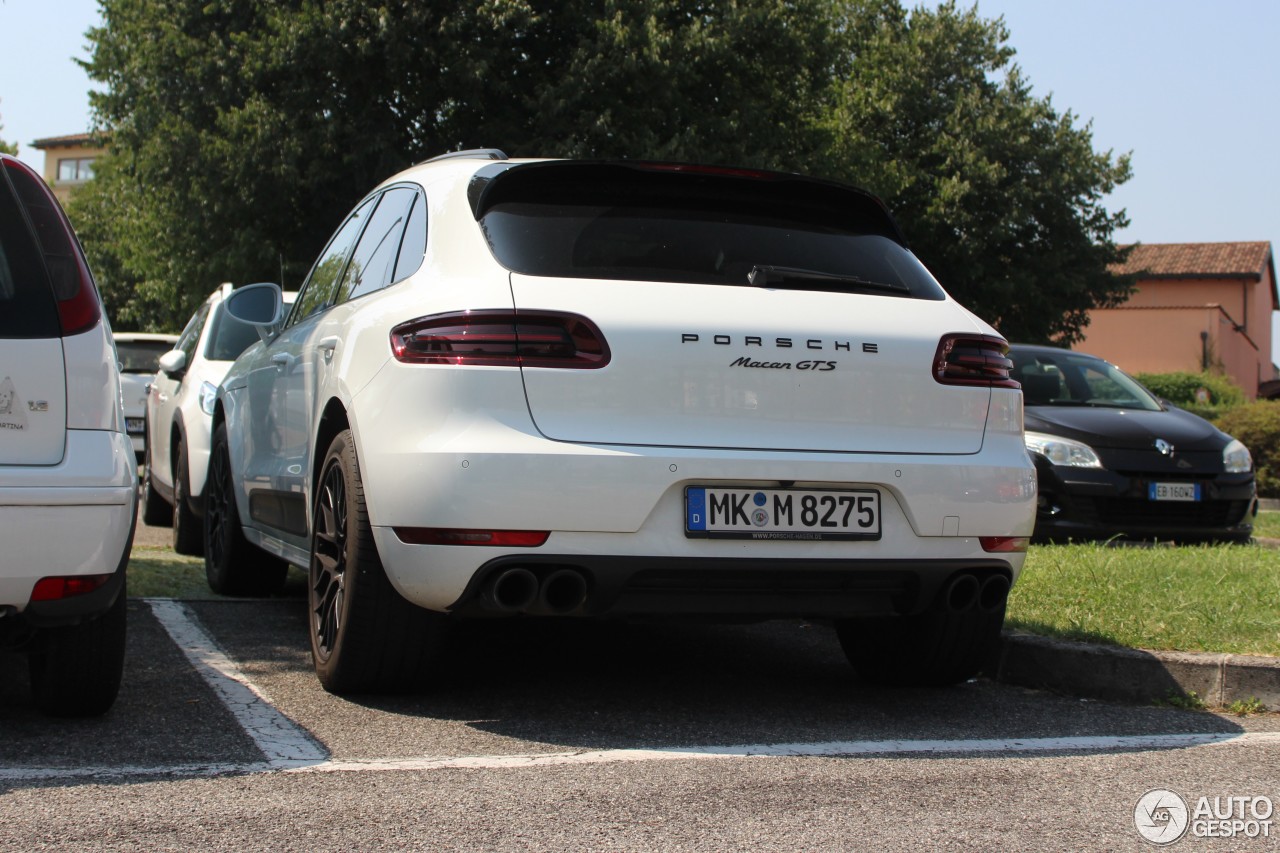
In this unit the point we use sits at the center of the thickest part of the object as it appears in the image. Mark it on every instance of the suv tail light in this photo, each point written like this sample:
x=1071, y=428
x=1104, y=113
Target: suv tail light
x=502, y=338
x=78, y=306
x=57, y=588
x=970, y=359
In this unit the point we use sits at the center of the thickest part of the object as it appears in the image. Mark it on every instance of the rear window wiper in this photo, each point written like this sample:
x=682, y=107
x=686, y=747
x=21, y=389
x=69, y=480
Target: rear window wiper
x=771, y=276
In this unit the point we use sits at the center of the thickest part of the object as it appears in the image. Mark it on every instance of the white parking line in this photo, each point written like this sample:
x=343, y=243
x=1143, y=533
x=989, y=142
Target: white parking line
x=288, y=748
x=279, y=738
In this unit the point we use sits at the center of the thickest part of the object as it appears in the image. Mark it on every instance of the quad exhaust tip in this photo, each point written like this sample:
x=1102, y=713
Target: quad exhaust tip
x=519, y=590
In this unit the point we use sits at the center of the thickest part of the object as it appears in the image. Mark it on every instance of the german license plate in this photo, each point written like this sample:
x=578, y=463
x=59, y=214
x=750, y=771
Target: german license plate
x=1173, y=491
x=781, y=514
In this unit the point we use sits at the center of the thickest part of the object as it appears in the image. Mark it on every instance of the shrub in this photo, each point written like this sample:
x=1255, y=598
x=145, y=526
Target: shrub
x=1257, y=424
x=1180, y=389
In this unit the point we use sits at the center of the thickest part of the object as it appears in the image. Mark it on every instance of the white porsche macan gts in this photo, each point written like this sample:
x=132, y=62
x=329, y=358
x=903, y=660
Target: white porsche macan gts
x=621, y=389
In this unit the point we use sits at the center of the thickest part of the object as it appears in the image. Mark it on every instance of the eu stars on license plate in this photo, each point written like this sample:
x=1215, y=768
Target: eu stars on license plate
x=805, y=514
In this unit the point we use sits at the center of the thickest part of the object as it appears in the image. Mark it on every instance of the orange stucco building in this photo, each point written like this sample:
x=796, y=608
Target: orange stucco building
x=68, y=161
x=1197, y=306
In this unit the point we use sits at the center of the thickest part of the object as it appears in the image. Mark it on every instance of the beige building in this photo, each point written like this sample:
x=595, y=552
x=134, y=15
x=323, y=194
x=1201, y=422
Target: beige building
x=68, y=161
x=1198, y=306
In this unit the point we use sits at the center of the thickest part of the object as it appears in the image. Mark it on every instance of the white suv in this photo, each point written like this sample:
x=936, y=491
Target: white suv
x=178, y=408
x=68, y=475
x=588, y=389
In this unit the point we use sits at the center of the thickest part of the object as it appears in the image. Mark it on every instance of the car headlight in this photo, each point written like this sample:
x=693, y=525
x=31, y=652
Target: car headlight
x=208, y=394
x=1062, y=451
x=1236, y=458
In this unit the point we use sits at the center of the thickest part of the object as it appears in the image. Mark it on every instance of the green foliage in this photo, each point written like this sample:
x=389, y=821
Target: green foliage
x=1180, y=389
x=1250, y=707
x=999, y=193
x=241, y=132
x=1257, y=424
x=8, y=147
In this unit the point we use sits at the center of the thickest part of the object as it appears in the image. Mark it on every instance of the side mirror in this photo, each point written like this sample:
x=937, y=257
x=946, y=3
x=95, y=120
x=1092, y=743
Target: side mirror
x=174, y=363
x=260, y=305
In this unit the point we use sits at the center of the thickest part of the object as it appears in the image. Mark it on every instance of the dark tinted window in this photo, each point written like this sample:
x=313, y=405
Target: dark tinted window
x=616, y=223
x=1075, y=379
x=191, y=334
x=140, y=356
x=319, y=289
x=27, y=308
x=374, y=258
x=61, y=254
x=414, y=245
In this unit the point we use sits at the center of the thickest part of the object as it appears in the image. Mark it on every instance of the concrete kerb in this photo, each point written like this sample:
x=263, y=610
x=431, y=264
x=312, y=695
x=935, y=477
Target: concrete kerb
x=1134, y=675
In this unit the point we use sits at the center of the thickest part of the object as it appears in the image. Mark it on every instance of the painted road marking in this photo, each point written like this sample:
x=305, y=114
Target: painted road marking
x=279, y=738
x=835, y=749
x=288, y=748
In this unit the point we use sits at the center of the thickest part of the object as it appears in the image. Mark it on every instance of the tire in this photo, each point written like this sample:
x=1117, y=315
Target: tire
x=232, y=566
x=935, y=648
x=75, y=670
x=156, y=511
x=364, y=635
x=188, y=529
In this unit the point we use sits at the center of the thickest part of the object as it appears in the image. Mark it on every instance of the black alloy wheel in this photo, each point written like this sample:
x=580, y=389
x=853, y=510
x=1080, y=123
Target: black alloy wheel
x=232, y=565
x=365, y=636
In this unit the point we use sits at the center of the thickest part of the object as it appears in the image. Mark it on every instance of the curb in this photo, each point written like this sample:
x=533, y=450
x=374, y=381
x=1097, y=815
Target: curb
x=1135, y=675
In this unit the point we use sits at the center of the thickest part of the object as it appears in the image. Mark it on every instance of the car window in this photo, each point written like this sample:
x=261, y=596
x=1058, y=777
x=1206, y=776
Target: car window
x=414, y=245
x=27, y=307
x=318, y=291
x=191, y=334
x=1075, y=379
x=140, y=356
x=374, y=259
x=605, y=222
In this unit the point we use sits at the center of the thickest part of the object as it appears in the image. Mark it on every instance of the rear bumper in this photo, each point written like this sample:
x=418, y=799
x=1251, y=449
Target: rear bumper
x=75, y=518
x=732, y=587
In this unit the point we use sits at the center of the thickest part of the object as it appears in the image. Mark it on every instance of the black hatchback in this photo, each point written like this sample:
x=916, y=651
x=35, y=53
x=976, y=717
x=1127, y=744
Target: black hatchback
x=1113, y=460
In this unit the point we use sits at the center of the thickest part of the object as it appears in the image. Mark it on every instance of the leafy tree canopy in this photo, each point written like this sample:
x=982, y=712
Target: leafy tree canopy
x=8, y=147
x=1000, y=195
x=242, y=131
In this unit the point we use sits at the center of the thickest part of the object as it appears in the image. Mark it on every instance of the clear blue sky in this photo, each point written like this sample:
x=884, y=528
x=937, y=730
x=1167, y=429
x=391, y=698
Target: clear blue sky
x=1189, y=87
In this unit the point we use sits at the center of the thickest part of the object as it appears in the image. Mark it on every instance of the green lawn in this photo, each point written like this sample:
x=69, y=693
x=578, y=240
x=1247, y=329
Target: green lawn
x=1206, y=598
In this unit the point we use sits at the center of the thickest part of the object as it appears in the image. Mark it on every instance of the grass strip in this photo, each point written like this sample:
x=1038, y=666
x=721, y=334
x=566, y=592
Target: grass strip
x=1197, y=598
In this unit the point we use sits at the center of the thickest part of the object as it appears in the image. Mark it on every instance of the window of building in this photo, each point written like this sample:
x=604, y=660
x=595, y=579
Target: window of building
x=75, y=169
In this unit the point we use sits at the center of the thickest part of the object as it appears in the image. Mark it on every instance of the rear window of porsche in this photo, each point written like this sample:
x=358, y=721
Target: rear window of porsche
x=598, y=221
x=27, y=307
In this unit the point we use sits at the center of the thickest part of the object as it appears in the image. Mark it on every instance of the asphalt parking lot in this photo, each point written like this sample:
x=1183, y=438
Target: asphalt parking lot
x=719, y=733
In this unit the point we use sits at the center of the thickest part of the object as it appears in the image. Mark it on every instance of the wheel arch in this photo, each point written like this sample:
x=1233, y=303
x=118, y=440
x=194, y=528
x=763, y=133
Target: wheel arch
x=333, y=420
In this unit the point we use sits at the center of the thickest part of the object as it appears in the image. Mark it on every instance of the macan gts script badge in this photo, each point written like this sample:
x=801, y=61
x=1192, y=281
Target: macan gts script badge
x=781, y=514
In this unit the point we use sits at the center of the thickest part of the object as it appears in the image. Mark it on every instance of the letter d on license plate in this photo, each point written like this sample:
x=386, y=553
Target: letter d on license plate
x=785, y=514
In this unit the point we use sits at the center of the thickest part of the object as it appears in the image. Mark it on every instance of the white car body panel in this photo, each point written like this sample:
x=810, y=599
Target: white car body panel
x=833, y=394
x=33, y=402
x=601, y=458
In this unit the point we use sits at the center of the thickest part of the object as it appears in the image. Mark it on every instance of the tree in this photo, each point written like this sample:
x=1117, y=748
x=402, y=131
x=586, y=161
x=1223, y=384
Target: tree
x=999, y=194
x=8, y=147
x=242, y=131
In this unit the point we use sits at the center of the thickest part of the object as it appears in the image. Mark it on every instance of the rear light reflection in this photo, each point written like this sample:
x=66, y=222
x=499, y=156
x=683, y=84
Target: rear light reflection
x=54, y=589
x=455, y=536
x=969, y=359
x=502, y=338
x=1005, y=544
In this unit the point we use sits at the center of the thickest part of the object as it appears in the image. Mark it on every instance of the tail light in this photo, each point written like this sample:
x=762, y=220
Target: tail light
x=54, y=589
x=78, y=307
x=969, y=359
x=502, y=338
x=1005, y=544
x=454, y=536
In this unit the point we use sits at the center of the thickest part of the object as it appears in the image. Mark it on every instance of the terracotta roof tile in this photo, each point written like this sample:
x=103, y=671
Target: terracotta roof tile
x=1197, y=260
